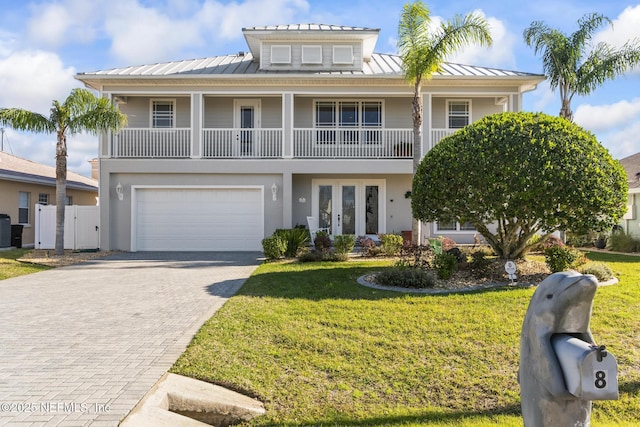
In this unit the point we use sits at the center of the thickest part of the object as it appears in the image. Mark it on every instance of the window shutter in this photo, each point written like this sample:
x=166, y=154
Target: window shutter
x=343, y=54
x=281, y=54
x=312, y=54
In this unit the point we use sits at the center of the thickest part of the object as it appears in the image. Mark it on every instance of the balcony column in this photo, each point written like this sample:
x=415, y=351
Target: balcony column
x=196, y=125
x=287, y=200
x=287, y=125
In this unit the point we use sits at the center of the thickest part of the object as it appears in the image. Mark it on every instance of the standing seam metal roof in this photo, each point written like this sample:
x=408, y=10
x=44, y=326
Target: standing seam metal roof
x=243, y=64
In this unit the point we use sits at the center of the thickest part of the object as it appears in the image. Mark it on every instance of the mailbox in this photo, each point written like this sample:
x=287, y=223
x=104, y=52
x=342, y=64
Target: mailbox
x=590, y=372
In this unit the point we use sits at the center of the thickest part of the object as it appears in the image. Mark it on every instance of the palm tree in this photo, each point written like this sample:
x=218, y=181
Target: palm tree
x=423, y=51
x=569, y=65
x=82, y=111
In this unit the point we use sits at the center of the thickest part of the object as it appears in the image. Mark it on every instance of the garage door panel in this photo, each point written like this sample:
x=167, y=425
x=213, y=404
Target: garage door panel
x=199, y=219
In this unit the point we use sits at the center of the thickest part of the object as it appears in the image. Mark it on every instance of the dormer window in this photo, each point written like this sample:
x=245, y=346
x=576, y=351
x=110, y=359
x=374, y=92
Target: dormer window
x=281, y=54
x=343, y=55
x=312, y=54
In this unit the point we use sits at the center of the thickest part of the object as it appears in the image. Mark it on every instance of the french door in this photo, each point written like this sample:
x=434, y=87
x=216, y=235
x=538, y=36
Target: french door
x=350, y=206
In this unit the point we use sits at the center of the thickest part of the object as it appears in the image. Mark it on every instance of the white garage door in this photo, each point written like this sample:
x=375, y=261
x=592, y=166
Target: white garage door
x=198, y=219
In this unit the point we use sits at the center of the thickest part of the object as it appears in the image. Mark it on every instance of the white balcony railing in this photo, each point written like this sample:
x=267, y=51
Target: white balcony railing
x=438, y=134
x=353, y=143
x=229, y=143
x=245, y=143
x=151, y=143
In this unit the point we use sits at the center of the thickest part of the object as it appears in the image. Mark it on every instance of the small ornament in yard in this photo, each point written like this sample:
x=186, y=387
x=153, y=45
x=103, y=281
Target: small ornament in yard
x=510, y=268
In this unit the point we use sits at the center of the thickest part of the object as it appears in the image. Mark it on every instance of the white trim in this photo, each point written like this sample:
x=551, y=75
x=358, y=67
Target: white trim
x=313, y=54
x=281, y=54
x=135, y=188
x=246, y=102
x=343, y=54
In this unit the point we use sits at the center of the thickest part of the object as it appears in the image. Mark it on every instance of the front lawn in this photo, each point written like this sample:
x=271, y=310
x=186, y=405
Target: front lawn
x=10, y=267
x=318, y=349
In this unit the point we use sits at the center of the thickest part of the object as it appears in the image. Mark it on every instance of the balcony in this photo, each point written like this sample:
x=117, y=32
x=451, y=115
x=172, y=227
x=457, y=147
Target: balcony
x=151, y=143
x=234, y=143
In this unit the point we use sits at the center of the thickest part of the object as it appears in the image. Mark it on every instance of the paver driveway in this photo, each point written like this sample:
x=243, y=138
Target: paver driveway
x=81, y=345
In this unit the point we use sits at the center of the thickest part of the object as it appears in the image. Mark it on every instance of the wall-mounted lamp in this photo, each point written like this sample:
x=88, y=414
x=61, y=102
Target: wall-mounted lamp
x=274, y=191
x=302, y=199
x=120, y=191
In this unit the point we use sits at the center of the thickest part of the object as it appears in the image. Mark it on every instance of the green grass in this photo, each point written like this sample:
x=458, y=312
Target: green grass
x=318, y=349
x=9, y=267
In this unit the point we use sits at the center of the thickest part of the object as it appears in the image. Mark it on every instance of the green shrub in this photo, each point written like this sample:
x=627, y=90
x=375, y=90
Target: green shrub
x=326, y=255
x=445, y=264
x=322, y=241
x=598, y=269
x=479, y=264
x=274, y=246
x=295, y=238
x=561, y=258
x=406, y=278
x=416, y=256
x=619, y=241
x=391, y=244
x=344, y=243
x=368, y=245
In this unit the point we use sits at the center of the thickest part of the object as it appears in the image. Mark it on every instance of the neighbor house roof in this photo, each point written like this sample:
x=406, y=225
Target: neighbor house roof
x=631, y=165
x=14, y=168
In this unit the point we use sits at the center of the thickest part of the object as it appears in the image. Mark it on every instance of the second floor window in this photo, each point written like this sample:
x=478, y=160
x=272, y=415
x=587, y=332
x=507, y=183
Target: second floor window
x=358, y=115
x=459, y=114
x=162, y=114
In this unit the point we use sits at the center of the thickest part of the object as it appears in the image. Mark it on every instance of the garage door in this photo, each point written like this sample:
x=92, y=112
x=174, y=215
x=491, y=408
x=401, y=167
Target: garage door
x=198, y=219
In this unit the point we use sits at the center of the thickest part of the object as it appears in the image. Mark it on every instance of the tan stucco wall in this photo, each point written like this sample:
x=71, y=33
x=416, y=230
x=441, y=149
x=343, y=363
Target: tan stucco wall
x=9, y=202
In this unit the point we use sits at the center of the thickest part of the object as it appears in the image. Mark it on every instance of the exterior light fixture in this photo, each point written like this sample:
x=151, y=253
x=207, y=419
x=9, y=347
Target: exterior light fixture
x=274, y=191
x=120, y=191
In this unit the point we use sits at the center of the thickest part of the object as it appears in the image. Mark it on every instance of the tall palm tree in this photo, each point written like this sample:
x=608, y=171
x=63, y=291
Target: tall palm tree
x=82, y=111
x=423, y=51
x=572, y=64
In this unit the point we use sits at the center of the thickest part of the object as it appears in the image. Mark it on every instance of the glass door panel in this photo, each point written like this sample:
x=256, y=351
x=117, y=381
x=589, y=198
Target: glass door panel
x=246, y=132
x=371, y=209
x=325, y=205
x=347, y=216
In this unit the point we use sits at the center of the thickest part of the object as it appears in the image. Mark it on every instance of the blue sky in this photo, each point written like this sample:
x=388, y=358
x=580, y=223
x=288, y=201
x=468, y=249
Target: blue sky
x=44, y=44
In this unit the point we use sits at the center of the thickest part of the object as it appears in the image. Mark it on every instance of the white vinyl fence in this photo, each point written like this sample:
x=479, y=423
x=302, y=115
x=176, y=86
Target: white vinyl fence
x=81, y=227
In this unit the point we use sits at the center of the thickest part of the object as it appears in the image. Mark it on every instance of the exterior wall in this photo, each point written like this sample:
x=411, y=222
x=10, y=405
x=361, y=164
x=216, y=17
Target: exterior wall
x=219, y=111
x=631, y=225
x=9, y=196
x=480, y=107
x=138, y=110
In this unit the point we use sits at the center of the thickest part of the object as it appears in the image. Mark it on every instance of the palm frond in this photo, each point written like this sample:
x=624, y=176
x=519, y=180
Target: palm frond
x=25, y=120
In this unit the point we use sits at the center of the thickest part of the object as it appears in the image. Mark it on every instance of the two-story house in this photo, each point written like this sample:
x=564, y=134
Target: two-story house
x=221, y=151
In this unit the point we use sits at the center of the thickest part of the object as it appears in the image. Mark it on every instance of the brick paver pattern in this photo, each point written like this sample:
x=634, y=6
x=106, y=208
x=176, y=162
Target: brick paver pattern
x=81, y=345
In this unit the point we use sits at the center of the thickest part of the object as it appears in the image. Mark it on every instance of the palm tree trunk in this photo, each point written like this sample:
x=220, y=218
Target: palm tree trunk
x=416, y=107
x=61, y=190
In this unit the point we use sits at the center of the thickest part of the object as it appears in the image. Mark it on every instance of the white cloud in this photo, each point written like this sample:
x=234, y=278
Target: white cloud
x=32, y=79
x=617, y=125
x=500, y=54
x=142, y=35
x=624, y=29
x=49, y=24
x=607, y=117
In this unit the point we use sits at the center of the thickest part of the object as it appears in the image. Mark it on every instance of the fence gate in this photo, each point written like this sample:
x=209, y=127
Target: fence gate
x=81, y=227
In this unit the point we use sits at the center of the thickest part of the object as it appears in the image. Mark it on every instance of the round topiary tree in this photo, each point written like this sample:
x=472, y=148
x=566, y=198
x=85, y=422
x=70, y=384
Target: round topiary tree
x=515, y=174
